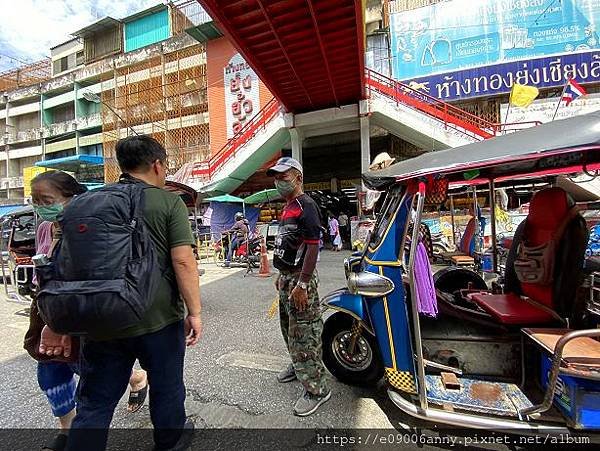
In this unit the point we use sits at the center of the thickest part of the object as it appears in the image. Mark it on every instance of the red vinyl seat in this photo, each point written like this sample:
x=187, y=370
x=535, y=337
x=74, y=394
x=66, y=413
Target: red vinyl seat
x=512, y=309
x=547, y=212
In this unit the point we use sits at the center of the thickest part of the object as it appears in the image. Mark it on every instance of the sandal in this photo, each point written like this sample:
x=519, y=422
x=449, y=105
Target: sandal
x=59, y=443
x=136, y=399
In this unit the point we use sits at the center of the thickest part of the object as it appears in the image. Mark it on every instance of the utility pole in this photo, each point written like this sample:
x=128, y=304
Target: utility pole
x=6, y=151
x=7, y=163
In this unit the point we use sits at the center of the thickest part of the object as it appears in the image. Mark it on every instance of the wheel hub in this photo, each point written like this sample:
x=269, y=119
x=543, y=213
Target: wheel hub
x=357, y=358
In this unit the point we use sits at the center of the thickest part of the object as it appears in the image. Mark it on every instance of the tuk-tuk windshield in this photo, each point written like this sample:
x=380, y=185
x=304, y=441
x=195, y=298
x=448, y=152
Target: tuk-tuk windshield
x=385, y=217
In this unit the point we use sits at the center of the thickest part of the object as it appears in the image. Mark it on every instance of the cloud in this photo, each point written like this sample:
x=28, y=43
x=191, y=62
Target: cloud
x=30, y=27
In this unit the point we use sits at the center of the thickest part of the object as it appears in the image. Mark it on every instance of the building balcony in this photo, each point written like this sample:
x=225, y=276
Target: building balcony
x=60, y=128
x=93, y=120
x=31, y=134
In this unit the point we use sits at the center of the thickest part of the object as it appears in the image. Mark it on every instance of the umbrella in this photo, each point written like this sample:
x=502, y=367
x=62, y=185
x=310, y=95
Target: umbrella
x=228, y=198
x=266, y=195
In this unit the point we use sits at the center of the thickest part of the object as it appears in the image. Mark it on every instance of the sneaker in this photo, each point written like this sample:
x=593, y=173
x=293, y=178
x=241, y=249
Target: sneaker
x=287, y=375
x=308, y=403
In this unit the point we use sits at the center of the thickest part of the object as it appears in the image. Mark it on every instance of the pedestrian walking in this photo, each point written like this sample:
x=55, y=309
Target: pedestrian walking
x=344, y=224
x=51, y=192
x=295, y=256
x=159, y=339
x=334, y=230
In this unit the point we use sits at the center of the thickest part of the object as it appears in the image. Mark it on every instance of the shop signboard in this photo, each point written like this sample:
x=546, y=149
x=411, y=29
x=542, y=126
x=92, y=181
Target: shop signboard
x=493, y=44
x=498, y=79
x=241, y=94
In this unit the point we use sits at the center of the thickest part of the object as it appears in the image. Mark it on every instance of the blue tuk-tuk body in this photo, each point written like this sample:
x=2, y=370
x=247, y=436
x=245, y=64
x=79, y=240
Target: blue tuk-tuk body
x=477, y=364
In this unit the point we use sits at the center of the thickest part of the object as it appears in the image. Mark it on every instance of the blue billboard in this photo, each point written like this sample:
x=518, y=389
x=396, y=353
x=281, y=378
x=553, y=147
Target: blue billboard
x=499, y=78
x=465, y=34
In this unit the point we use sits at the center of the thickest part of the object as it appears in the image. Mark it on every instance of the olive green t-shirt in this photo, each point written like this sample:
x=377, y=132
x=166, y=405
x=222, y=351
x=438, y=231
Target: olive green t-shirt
x=166, y=218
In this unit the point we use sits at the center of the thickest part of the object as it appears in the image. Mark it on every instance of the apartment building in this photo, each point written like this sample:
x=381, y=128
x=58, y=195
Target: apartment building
x=139, y=74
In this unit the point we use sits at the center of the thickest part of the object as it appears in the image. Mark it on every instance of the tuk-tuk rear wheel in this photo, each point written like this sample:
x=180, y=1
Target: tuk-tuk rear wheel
x=359, y=364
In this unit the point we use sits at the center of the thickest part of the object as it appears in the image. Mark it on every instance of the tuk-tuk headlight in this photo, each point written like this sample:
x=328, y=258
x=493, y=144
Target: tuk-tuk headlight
x=369, y=284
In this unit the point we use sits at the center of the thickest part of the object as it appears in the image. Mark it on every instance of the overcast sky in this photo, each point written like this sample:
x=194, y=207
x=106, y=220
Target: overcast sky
x=28, y=28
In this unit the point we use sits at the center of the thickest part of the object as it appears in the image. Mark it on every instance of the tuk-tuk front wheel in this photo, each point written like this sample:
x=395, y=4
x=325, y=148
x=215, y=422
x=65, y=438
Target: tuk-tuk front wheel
x=350, y=353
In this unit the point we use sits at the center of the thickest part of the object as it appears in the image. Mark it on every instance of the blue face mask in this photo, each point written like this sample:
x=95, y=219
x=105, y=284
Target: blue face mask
x=49, y=212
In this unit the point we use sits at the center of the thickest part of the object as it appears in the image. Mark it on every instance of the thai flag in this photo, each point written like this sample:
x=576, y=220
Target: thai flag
x=572, y=91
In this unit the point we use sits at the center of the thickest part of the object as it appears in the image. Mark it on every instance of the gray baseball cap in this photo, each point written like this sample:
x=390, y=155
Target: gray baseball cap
x=284, y=164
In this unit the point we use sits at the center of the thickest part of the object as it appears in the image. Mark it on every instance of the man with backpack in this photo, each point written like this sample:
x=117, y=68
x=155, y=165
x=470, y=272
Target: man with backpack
x=143, y=266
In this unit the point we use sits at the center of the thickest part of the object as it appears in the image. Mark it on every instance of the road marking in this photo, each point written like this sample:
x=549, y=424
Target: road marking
x=262, y=362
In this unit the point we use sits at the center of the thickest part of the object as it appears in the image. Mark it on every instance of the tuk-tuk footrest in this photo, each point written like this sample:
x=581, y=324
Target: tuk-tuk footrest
x=496, y=398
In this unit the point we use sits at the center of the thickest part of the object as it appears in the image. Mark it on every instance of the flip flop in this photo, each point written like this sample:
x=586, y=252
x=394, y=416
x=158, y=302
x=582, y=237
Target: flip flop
x=136, y=399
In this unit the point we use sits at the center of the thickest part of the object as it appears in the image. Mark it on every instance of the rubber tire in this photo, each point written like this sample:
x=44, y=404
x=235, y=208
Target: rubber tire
x=335, y=324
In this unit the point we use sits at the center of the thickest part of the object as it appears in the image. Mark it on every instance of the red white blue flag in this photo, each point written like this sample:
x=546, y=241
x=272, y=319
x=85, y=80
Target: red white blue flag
x=572, y=91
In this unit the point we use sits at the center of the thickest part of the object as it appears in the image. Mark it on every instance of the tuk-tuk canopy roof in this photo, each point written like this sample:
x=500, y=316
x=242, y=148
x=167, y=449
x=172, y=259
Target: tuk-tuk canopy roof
x=534, y=150
x=188, y=194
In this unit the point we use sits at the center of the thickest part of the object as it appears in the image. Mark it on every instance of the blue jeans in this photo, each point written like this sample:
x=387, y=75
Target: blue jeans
x=233, y=245
x=104, y=375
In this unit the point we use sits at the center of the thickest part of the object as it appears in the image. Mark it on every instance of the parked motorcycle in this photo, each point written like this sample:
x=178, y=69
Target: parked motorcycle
x=440, y=245
x=18, y=246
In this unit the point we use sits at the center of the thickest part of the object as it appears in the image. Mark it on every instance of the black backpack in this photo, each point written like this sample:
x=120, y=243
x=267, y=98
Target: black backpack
x=103, y=273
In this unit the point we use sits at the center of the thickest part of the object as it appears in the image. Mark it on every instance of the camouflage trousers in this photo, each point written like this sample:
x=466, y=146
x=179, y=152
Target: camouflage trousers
x=302, y=333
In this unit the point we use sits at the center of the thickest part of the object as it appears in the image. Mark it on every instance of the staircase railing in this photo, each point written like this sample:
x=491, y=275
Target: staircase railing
x=452, y=117
x=206, y=169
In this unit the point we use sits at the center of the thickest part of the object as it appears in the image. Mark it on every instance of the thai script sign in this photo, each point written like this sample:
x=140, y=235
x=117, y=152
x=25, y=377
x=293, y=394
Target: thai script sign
x=241, y=94
x=463, y=34
x=499, y=79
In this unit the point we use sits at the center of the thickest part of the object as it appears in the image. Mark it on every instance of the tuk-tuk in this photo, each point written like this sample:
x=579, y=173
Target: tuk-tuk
x=521, y=353
x=17, y=230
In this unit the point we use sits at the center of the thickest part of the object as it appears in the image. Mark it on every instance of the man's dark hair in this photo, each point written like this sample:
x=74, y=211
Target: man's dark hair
x=61, y=181
x=138, y=152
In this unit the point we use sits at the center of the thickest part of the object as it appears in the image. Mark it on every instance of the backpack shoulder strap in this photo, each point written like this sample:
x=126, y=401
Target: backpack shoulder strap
x=136, y=189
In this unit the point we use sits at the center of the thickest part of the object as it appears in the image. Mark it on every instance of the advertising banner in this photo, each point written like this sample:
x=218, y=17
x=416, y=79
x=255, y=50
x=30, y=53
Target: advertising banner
x=499, y=78
x=463, y=34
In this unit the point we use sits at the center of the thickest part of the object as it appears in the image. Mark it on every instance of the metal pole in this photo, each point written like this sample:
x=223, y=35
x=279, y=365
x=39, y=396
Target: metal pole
x=560, y=100
x=421, y=386
x=477, y=225
x=493, y=219
x=452, y=219
x=7, y=164
x=506, y=117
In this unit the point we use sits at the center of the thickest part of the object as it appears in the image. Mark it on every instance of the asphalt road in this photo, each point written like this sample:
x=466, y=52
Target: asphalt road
x=229, y=375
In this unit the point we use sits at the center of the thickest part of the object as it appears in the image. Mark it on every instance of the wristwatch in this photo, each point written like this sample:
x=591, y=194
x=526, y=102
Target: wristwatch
x=302, y=285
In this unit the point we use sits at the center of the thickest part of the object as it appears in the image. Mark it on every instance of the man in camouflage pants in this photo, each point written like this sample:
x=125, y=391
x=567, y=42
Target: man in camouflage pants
x=296, y=252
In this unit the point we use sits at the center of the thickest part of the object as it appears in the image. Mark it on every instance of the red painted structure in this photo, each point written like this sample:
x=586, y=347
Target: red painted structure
x=447, y=115
x=309, y=53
